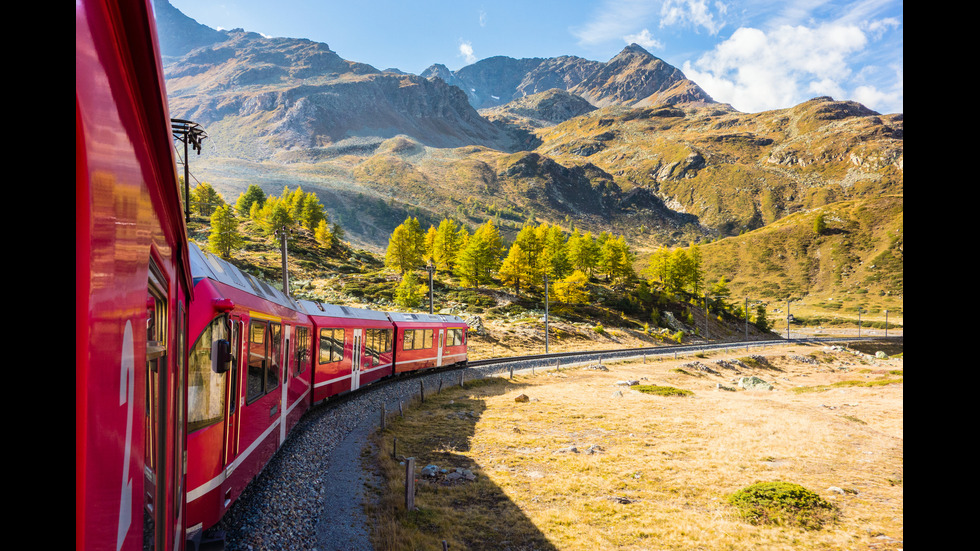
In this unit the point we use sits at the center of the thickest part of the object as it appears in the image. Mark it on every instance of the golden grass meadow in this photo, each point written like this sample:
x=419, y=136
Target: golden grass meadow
x=576, y=460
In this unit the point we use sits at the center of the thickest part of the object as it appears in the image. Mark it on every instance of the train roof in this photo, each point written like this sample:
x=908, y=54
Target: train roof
x=429, y=318
x=332, y=310
x=207, y=265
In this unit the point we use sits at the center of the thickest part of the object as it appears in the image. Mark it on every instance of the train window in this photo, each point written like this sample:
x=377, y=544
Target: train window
x=302, y=349
x=331, y=345
x=275, y=353
x=257, y=353
x=417, y=339
x=205, y=388
x=377, y=342
x=454, y=337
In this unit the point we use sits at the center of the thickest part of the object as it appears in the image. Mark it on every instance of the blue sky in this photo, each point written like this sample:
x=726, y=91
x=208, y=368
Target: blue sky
x=754, y=54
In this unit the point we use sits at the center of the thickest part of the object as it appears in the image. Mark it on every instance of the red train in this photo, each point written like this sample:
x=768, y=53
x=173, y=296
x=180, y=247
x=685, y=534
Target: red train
x=132, y=287
x=259, y=360
x=189, y=374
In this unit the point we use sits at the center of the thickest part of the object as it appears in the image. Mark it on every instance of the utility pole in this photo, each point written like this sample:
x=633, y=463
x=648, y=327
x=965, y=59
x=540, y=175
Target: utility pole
x=431, y=268
x=746, y=319
x=191, y=134
x=545, y=313
x=787, y=319
x=283, y=235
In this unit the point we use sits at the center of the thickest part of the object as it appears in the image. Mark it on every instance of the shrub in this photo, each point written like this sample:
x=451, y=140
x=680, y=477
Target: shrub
x=662, y=390
x=599, y=329
x=783, y=503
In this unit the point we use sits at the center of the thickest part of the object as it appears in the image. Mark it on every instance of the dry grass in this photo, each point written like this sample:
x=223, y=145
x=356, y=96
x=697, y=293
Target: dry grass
x=662, y=467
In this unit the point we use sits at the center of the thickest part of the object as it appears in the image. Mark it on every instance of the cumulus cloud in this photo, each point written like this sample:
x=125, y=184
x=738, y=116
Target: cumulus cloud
x=466, y=50
x=645, y=39
x=757, y=71
x=695, y=13
x=613, y=20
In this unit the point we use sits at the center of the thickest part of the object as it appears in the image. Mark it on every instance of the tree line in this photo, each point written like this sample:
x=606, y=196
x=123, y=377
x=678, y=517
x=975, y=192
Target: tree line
x=288, y=211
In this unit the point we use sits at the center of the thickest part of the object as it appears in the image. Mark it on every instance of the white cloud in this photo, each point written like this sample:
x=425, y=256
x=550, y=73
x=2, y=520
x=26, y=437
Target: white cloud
x=645, y=39
x=757, y=71
x=692, y=12
x=483, y=18
x=466, y=50
x=613, y=20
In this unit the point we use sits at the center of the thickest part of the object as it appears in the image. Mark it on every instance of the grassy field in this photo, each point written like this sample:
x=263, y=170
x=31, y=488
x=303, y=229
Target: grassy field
x=572, y=460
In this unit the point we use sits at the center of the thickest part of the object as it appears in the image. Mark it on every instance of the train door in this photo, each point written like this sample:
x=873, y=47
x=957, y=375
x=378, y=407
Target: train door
x=164, y=415
x=442, y=335
x=355, y=362
x=234, y=398
x=284, y=374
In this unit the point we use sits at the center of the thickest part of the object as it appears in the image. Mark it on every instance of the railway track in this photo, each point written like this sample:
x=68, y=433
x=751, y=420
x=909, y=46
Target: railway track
x=569, y=359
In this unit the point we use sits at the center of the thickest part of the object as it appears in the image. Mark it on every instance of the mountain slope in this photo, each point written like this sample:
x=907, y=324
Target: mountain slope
x=633, y=77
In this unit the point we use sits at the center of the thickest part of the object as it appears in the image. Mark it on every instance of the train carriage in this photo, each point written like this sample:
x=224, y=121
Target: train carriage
x=132, y=284
x=421, y=341
x=352, y=348
x=249, y=382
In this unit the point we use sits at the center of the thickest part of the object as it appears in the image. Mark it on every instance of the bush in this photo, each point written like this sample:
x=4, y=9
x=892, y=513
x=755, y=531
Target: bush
x=662, y=390
x=783, y=503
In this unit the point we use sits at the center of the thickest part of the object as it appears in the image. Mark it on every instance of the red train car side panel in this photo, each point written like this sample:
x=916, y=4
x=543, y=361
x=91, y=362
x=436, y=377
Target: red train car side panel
x=132, y=285
x=421, y=341
x=249, y=382
x=352, y=348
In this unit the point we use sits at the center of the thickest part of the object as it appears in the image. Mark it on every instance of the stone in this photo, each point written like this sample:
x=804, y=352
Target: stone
x=753, y=383
x=522, y=398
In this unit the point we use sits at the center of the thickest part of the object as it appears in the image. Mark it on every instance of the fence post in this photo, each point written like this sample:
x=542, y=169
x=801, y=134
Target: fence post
x=394, y=448
x=410, y=483
x=461, y=378
x=400, y=411
x=422, y=389
x=383, y=415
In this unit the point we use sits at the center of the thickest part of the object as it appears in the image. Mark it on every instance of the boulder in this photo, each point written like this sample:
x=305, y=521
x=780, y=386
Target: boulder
x=753, y=383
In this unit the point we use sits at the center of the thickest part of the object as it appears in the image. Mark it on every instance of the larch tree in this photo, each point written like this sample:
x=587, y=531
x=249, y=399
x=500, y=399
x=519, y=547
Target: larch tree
x=406, y=246
x=481, y=256
x=225, y=237
x=252, y=195
x=205, y=199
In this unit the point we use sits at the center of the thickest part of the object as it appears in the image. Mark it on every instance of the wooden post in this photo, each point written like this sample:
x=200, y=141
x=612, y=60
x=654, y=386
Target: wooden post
x=511, y=371
x=422, y=389
x=383, y=415
x=394, y=448
x=440, y=384
x=400, y=411
x=410, y=483
x=460, y=378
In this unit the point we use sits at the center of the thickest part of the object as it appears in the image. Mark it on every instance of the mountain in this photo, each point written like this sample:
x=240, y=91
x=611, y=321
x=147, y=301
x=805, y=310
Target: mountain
x=629, y=146
x=634, y=78
x=269, y=96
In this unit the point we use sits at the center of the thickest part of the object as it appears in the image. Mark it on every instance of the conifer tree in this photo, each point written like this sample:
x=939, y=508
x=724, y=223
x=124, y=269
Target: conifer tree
x=224, y=238
x=583, y=251
x=481, y=255
x=571, y=290
x=205, y=199
x=410, y=292
x=448, y=243
x=406, y=246
x=249, y=197
x=323, y=235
